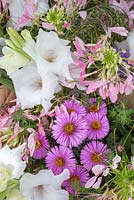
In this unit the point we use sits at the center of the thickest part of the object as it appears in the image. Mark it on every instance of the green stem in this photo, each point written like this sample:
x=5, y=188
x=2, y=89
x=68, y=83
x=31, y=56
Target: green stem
x=128, y=135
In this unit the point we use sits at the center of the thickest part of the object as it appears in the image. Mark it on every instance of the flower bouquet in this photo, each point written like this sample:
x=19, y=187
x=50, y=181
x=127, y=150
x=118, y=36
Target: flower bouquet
x=66, y=100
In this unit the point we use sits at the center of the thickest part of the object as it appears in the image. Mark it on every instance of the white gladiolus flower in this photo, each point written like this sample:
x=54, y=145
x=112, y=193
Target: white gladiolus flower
x=16, y=8
x=12, y=60
x=32, y=89
x=16, y=195
x=51, y=54
x=13, y=157
x=44, y=185
x=5, y=175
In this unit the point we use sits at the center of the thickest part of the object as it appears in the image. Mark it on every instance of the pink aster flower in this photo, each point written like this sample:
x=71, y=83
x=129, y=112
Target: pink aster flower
x=93, y=153
x=70, y=129
x=97, y=107
x=98, y=126
x=78, y=177
x=40, y=145
x=60, y=158
x=75, y=106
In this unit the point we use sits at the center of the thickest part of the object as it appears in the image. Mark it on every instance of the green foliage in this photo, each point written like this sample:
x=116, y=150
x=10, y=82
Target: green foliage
x=120, y=115
x=13, y=184
x=124, y=181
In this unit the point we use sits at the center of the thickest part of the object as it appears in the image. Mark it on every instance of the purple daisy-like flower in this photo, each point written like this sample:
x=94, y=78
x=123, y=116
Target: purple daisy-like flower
x=78, y=177
x=41, y=146
x=96, y=107
x=98, y=126
x=75, y=106
x=93, y=153
x=70, y=129
x=60, y=158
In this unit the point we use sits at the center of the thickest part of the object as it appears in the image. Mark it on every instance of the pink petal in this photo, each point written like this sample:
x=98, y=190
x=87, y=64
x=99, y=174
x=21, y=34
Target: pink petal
x=90, y=182
x=106, y=172
x=83, y=14
x=98, y=169
x=131, y=14
x=116, y=159
x=119, y=30
x=48, y=26
x=31, y=144
x=130, y=4
x=113, y=93
x=97, y=184
x=41, y=129
x=124, y=5
x=94, y=85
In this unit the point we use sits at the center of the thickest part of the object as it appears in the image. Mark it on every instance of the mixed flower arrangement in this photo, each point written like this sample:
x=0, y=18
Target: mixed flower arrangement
x=66, y=132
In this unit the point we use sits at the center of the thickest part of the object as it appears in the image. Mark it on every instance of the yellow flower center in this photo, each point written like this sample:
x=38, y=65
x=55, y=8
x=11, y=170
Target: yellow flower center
x=60, y=162
x=38, y=144
x=96, y=157
x=96, y=125
x=74, y=179
x=70, y=110
x=93, y=108
x=69, y=128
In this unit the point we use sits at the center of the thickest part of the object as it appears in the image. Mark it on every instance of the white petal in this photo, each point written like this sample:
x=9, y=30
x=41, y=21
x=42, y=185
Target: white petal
x=98, y=169
x=58, y=179
x=12, y=60
x=130, y=40
x=27, y=86
x=13, y=157
x=116, y=159
x=16, y=13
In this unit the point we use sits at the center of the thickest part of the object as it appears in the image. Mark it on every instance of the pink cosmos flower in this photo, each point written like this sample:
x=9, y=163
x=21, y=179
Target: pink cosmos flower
x=70, y=129
x=78, y=177
x=93, y=153
x=60, y=158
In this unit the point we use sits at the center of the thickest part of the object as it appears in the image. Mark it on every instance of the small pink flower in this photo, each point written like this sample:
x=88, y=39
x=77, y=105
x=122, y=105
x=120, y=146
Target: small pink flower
x=67, y=25
x=83, y=14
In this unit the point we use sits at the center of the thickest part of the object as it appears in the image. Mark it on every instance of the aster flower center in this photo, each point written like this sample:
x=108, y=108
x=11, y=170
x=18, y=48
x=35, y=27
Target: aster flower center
x=93, y=108
x=38, y=144
x=69, y=128
x=74, y=179
x=70, y=110
x=96, y=157
x=96, y=125
x=50, y=56
x=60, y=162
